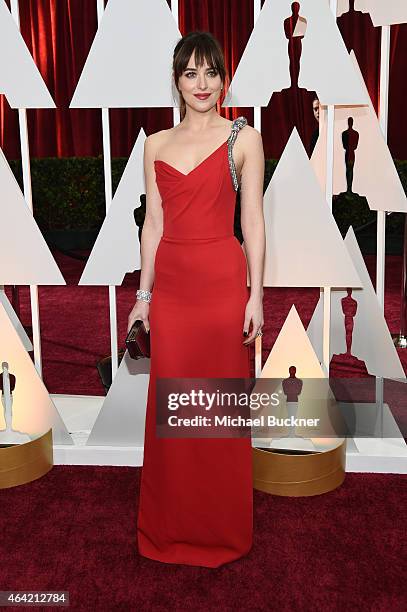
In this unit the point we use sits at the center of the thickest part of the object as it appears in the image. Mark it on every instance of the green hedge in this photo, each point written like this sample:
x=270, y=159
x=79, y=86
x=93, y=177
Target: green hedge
x=68, y=193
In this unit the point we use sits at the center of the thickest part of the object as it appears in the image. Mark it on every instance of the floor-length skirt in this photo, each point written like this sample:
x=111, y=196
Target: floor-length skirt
x=196, y=494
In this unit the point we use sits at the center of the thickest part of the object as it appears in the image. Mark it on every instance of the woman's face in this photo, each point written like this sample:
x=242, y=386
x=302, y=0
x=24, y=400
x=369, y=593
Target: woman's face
x=200, y=87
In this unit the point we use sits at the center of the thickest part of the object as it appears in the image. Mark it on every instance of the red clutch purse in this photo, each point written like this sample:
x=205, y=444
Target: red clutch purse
x=138, y=341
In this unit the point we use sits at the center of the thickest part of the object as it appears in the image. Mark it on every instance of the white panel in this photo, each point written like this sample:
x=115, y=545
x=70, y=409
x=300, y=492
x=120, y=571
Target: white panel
x=342, y=7
x=371, y=340
x=362, y=5
x=130, y=61
x=121, y=420
x=384, y=12
x=117, y=248
x=20, y=79
x=267, y=54
x=304, y=247
x=292, y=348
x=374, y=173
x=25, y=258
x=79, y=413
x=18, y=326
x=33, y=410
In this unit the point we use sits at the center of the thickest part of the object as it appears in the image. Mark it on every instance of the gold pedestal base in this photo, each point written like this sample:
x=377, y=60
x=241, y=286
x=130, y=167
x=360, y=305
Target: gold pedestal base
x=297, y=474
x=23, y=463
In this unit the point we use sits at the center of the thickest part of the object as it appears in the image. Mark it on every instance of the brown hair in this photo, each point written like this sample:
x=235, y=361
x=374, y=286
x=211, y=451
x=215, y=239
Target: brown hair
x=206, y=47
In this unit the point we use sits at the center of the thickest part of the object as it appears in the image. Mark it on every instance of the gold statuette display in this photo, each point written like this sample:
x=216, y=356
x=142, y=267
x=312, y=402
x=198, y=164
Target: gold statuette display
x=299, y=474
x=22, y=463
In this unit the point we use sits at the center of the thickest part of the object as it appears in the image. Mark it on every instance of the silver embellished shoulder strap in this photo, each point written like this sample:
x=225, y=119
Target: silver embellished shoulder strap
x=236, y=126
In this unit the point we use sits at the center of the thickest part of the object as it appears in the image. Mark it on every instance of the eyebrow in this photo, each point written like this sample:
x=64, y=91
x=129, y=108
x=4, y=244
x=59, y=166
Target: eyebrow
x=194, y=69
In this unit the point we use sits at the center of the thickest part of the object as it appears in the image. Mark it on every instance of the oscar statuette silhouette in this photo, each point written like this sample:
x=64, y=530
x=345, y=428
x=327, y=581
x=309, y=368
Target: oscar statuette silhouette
x=292, y=387
x=9, y=436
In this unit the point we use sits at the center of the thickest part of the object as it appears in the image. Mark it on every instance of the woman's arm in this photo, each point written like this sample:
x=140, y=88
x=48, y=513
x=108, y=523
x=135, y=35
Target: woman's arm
x=151, y=232
x=153, y=222
x=252, y=222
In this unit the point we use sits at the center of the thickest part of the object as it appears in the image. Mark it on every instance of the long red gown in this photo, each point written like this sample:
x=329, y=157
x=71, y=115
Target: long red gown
x=196, y=495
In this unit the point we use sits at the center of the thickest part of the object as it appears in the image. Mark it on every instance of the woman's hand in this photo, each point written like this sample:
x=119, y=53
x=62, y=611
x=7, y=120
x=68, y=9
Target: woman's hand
x=139, y=313
x=253, y=313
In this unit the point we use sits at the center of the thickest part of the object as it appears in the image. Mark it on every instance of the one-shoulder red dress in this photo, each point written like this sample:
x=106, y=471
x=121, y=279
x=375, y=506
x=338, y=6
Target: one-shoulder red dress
x=196, y=494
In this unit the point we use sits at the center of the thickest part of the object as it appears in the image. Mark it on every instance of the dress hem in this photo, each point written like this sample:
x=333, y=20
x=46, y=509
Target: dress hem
x=193, y=562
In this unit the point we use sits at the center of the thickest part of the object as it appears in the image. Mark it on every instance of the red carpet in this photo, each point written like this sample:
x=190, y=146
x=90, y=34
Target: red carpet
x=75, y=322
x=75, y=530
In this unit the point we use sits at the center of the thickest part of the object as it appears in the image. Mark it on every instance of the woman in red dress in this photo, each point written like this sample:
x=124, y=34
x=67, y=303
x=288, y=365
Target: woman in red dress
x=196, y=494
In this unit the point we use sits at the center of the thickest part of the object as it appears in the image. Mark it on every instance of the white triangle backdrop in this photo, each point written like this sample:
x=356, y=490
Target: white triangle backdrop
x=384, y=12
x=342, y=7
x=129, y=63
x=121, y=420
x=371, y=340
x=117, y=248
x=34, y=412
x=11, y=313
x=266, y=53
x=25, y=258
x=304, y=247
x=374, y=173
x=20, y=79
x=292, y=348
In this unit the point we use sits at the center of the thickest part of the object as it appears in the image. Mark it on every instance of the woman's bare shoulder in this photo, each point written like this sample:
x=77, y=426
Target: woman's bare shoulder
x=249, y=142
x=250, y=135
x=156, y=140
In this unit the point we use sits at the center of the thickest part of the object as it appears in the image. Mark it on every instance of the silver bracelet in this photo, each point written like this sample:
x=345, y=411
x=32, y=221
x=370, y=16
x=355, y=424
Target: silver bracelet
x=144, y=295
